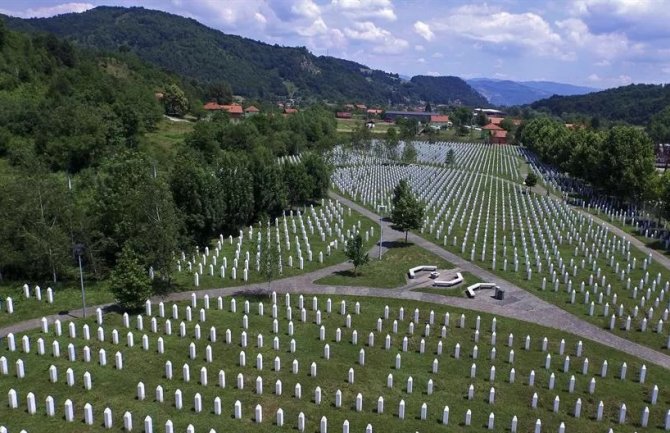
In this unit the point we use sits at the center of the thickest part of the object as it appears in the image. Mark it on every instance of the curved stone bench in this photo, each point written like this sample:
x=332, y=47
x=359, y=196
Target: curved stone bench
x=412, y=272
x=470, y=290
x=448, y=283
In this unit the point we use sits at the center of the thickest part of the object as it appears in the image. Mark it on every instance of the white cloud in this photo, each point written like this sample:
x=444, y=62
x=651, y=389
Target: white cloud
x=366, y=31
x=383, y=41
x=641, y=20
x=433, y=73
x=419, y=47
x=306, y=8
x=49, y=11
x=421, y=60
x=423, y=30
x=614, y=81
x=366, y=9
x=318, y=27
x=492, y=27
x=605, y=46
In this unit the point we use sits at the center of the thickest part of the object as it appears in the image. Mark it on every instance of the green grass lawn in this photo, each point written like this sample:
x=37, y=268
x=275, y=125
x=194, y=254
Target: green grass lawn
x=389, y=272
x=66, y=297
x=117, y=389
x=162, y=142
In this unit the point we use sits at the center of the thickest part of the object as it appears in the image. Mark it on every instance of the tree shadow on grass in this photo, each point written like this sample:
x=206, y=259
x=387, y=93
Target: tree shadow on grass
x=397, y=244
x=347, y=273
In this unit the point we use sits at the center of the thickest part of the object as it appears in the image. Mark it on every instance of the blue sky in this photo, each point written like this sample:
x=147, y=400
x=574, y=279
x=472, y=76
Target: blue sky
x=598, y=43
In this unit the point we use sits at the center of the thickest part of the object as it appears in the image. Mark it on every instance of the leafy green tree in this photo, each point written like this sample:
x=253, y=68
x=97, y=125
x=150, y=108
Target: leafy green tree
x=408, y=128
x=319, y=172
x=361, y=136
x=220, y=92
x=481, y=119
x=659, y=126
x=409, y=153
x=298, y=183
x=531, y=180
x=129, y=281
x=627, y=163
x=391, y=142
x=176, y=103
x=407, y=210
x=354, y=252
x=450, y=159
x=461, y=116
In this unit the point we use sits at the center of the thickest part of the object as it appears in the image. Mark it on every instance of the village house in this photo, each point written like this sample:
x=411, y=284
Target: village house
x=234, y=110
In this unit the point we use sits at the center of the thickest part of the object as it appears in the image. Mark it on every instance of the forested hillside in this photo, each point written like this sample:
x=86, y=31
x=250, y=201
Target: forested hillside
x=634, y=104
x=76, y=166
x=446, y=90
x=252, y=69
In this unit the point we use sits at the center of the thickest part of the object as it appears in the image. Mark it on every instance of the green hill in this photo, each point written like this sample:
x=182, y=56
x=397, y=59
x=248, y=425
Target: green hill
x=253, y=69
x=634, y=104
x=447, y=90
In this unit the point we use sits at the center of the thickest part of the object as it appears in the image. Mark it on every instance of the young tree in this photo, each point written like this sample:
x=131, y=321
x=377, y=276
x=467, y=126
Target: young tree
x=354, y=252
x=176, y=103
x=450, y=159
x=407, y=210
x=129, y=282
x=409, y=153
x=531, y=180
x=391, y=141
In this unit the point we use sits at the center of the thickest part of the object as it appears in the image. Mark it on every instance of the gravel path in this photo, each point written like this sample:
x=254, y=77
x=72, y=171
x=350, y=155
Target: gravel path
x=518, y=303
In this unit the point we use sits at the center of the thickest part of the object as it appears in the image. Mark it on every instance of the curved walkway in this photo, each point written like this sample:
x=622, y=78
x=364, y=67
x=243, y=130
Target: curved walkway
x=518, y=304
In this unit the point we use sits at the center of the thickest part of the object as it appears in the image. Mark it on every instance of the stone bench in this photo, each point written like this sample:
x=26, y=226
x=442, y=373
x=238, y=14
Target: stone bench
x=470, y=290
x=412, y=272
x=448, y=283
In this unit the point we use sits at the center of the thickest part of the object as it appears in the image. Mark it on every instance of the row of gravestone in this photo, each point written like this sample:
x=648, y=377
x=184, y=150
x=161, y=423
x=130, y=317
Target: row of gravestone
x=531, y=232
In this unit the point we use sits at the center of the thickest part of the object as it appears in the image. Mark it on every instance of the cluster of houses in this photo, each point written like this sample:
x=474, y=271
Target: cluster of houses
x=493, y=132
x=236, y=111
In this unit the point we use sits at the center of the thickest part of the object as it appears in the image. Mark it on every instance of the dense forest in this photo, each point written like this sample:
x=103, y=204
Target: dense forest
x=634, y=104
x=76, y=168
x=252, y=69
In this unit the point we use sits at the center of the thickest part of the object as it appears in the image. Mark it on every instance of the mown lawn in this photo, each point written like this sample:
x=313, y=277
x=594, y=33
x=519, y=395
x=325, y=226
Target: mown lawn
x=117, y=389
x=390, y=271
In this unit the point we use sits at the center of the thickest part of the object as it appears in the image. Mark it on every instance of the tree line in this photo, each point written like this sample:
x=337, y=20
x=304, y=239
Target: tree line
x=618, y=162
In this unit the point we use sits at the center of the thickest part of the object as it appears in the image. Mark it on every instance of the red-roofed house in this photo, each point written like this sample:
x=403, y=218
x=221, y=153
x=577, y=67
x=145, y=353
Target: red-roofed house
x=361, y=107
x=290, y=110
x=440, y=120
x=251, y=110
x=234, y=110
x=343, y=115
x=374, y=111
x=492, y=127
x=499, y=137
x=496, y=120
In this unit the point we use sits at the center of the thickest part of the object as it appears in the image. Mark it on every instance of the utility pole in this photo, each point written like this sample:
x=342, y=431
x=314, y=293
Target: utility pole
x=78, y=251
x=381, y=228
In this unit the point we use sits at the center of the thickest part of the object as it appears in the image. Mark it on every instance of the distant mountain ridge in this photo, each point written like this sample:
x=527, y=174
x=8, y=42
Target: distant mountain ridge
x=253, y=69
x=507, y=92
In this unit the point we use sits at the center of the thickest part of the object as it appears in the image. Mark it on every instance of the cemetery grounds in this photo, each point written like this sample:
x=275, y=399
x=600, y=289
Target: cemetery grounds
x=276, y=362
